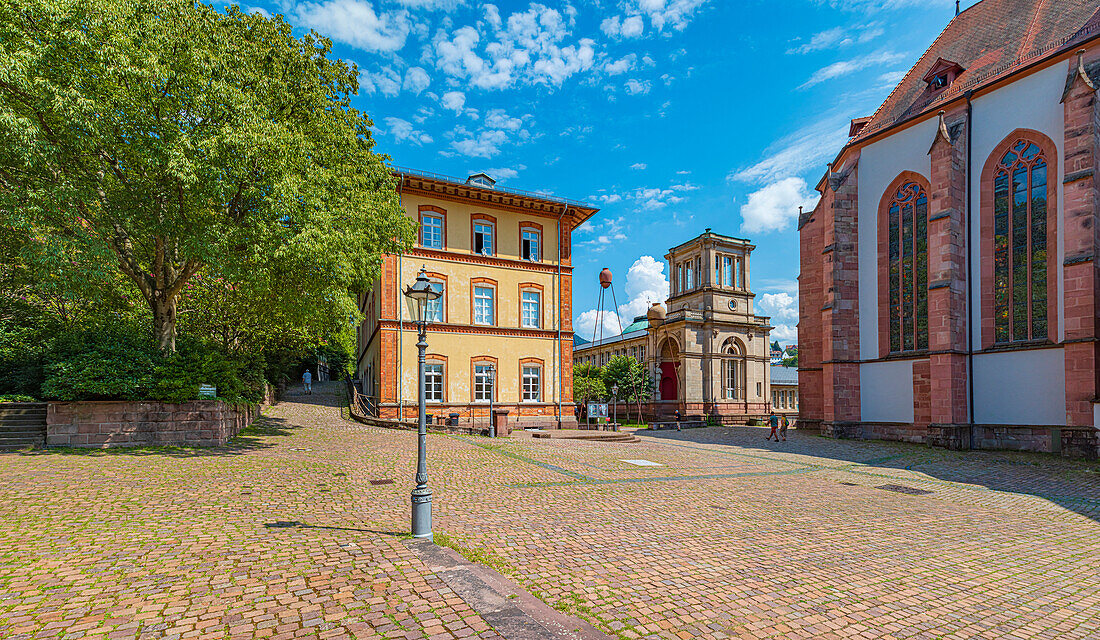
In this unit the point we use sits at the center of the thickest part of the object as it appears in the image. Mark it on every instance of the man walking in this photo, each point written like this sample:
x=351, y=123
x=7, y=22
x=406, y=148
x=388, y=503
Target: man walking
x=307, y=382
x=773, y=422
x=783, y=424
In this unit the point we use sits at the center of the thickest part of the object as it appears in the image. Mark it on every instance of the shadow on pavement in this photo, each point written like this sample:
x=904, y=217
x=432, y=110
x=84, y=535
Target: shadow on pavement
x=294, y=524
x=1072, y=484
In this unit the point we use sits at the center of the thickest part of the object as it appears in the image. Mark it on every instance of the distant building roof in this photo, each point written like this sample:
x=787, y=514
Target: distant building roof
x=578, y=341
x=784, y=375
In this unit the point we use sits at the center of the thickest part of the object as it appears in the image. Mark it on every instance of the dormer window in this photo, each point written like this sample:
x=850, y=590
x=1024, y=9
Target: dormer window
x=481, y=180
x=942, y=74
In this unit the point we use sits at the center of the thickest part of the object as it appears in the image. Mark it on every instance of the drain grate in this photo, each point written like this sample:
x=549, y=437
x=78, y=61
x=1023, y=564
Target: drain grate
x=897, y=488
x=378, y=482
x=849, y=484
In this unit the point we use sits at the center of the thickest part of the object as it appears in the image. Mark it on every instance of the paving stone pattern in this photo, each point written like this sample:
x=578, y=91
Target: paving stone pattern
x=281, y=534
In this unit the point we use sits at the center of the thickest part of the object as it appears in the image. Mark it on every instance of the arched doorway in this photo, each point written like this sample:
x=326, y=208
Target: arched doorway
x=670, y=360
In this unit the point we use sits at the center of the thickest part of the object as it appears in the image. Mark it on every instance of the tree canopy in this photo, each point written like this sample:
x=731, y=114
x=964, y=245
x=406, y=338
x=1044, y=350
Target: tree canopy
x=146, y=142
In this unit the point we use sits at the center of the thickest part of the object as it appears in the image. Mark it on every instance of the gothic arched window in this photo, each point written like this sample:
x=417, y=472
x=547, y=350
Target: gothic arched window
x=1020, y=244
x=733, y=371
x=908, y=267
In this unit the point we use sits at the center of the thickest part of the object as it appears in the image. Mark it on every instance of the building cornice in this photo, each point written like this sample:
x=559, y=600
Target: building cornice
x=487, y=261
x=470, y=329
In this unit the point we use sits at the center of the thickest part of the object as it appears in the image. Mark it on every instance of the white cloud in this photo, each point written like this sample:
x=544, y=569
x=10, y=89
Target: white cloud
x=528, y=48
x=502, y=173
x=385, y=80
x=838, y=37
x=404, y=131
x=416, y=80
x=782, y=308
x=848, y=67
x=620, y=66
x=646, y=283
x=775, y=206
x=453, y=101
x=484, y=144
x=638, y=166
x=807, y=148
x=623, y=27
x=355, y=22
x=431, y=5
x=634, y=87
x=498, y=119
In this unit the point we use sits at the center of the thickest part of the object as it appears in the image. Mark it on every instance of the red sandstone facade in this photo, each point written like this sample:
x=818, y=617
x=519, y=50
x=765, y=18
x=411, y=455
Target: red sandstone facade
x=971, y=386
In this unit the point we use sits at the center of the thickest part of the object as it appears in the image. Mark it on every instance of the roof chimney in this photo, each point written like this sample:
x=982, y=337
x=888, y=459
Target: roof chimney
x=956, y=7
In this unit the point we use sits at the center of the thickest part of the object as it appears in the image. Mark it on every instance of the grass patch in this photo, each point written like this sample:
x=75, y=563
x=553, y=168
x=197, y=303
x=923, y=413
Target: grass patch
x=481, y=555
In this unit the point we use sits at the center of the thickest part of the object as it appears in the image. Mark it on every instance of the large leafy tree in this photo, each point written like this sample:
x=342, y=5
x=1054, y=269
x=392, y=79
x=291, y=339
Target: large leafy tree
x=164, y=138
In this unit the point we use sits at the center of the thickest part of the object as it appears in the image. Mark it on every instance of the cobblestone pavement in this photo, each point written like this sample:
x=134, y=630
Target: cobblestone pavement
x=283, y=534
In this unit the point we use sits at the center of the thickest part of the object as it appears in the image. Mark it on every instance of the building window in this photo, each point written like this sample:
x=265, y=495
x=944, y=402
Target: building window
x=775, y=398
x=431, y=232
x=907, y=248
x=739, y=273
x=733, y=371
x=483, y=383
x=689, y=277
x=530, y=241
x=532, y=383
x=727, y=271
x=483, y=238
x=1020, y=244
x=530, y=311
x=434, y=309
x=759, y=389
x=483, y=305
x=433, y=381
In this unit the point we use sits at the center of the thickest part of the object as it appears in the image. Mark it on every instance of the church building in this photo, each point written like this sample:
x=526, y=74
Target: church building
x=949, y=288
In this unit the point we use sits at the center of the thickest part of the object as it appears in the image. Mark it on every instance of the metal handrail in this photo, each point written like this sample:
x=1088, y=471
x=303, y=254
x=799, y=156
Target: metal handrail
x=407, y=171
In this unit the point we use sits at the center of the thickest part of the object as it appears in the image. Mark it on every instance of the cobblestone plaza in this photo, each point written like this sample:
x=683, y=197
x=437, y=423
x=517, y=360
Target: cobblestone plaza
x=293, y=531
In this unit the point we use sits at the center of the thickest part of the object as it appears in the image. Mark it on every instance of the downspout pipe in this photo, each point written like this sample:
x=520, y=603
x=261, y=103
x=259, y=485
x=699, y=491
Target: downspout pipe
x=561, y=362
x=400, y=320
x=969, y=266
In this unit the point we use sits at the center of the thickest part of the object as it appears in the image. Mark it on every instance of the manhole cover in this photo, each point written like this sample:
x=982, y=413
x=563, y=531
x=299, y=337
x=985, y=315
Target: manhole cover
x=643, y=463
x=849, y=484
x=897, y=488
x=378, y=482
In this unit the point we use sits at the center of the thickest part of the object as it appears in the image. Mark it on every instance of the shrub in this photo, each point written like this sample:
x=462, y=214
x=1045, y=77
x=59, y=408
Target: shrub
x=15, y=397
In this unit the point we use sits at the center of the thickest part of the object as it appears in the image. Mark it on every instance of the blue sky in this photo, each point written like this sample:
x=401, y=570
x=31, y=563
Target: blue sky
x=670, y=115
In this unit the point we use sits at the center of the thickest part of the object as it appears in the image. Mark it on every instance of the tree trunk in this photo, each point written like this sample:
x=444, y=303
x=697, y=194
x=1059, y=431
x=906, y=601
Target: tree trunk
x=164, y=321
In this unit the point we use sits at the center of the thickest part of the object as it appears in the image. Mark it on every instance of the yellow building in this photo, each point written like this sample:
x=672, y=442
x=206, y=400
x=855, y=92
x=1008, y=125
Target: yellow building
x=502, y=328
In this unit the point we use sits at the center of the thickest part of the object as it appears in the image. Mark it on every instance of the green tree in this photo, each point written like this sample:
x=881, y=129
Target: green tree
x=158, y=139
x=633, y=380
x=776, y=346
x=587, y=384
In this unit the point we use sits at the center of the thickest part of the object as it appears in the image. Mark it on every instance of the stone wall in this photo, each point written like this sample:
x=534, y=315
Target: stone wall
x=202, y=423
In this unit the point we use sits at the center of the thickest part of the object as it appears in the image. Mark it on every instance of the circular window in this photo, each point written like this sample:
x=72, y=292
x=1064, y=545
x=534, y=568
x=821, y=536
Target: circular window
x=733, y=305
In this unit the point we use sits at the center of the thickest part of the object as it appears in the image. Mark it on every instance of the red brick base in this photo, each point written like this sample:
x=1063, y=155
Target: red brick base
x=202, y=423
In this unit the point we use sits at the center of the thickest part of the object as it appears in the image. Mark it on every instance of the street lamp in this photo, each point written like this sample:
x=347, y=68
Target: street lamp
x=615, y=403
x=490, y=377
x=417, y=297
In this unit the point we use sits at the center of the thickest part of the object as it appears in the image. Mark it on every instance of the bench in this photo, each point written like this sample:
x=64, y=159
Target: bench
x=673, y=424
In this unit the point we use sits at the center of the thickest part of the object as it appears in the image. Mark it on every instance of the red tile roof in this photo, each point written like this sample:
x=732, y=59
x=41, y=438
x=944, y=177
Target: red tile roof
x=988, y=40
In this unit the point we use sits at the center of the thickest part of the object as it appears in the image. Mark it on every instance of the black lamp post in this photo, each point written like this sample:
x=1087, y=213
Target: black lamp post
x=418, y=295
x=491, y=376
x=615, y=404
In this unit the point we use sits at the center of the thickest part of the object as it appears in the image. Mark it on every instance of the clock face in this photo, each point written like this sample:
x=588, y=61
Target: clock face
x=733, y=305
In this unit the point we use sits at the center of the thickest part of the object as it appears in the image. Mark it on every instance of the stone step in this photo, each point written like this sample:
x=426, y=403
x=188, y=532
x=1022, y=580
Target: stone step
x=7, y=410
x=7, y=443
x=23, y=419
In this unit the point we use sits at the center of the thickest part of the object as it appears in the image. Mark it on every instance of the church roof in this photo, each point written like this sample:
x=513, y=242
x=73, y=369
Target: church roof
x=987, y=41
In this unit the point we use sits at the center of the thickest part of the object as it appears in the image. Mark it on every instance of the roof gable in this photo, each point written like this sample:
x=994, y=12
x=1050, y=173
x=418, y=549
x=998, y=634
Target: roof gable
x=987, y=41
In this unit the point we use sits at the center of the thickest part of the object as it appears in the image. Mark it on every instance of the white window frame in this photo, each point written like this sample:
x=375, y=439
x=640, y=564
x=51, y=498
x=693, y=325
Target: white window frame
x=482, y=384
x=424, y=231
x=524, y=377
x=435, y=392
x=536, y=242
x=439, y=304
x=523, y=307
x=727, y=271
x=488, y=241
x=492, y=303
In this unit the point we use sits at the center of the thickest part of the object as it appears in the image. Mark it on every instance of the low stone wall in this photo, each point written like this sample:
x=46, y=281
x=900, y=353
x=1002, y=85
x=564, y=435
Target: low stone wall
x=1070, y=442
x=199, y=423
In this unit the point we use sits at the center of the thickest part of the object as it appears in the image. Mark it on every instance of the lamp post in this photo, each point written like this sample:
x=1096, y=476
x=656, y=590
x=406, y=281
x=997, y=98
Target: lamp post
x=491, y=375
x=418, y=295
x=615, y=403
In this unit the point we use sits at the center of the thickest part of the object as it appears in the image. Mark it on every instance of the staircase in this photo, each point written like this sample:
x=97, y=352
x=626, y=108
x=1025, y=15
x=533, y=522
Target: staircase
x=22, y=424
x=601, y=436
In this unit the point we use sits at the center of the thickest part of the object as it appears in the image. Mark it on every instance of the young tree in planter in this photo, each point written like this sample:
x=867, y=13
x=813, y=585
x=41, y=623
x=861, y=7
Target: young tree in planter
x=162, y=138
x=635, y=383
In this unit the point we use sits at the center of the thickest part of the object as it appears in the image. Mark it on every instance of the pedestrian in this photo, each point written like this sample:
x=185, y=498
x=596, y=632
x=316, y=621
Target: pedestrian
x=783, y=424
x=307, y=382
x=678, y=415
x=773, y=421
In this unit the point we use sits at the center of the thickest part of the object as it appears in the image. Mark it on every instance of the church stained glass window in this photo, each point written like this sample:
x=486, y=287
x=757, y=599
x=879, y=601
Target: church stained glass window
x=1020, y=244
x=908, y=268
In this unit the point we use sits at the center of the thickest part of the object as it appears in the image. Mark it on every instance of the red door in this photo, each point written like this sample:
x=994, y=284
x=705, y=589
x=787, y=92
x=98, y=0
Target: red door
x=669, y=387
